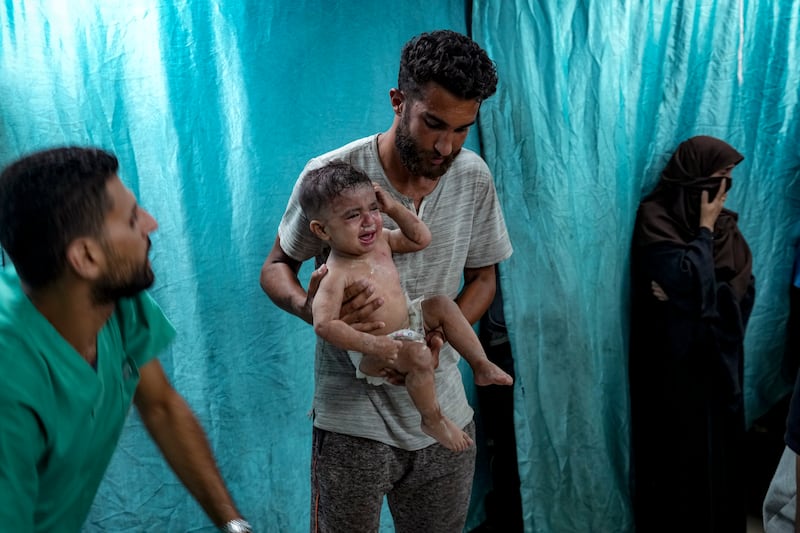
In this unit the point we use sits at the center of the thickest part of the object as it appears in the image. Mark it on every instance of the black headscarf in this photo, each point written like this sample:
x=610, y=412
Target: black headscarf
x=671, y=213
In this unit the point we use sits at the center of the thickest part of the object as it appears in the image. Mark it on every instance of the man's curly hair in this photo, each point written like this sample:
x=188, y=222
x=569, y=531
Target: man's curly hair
x=449, y=59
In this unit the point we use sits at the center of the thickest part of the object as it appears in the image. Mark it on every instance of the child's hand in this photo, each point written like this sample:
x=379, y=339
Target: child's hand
x=385, y=200
x=380, y=356
x=382, y=348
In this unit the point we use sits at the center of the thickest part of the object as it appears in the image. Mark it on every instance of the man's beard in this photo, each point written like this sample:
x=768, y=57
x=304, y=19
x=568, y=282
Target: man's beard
x=122, y=281
x=412, y=157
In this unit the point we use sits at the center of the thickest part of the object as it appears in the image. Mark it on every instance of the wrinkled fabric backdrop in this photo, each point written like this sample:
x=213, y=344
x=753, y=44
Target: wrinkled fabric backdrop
x=213, y=107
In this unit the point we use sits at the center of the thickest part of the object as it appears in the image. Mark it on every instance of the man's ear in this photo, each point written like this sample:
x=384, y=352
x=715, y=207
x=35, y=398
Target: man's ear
x=86, y=258
x=398, y=99
x=319, y=230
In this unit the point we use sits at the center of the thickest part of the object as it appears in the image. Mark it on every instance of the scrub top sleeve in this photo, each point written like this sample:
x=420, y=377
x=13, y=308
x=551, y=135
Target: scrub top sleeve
x=21, y=445
x=145, y=329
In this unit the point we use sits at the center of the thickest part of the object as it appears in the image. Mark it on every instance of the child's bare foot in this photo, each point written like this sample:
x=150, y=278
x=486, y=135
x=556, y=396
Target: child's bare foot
x=448, y=434
x=488, y=373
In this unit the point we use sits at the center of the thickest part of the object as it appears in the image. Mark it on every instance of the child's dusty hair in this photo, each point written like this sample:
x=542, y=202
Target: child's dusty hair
x=322, y=185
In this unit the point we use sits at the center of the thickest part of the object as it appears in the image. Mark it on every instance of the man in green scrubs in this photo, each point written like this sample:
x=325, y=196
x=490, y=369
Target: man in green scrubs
x=78, y=340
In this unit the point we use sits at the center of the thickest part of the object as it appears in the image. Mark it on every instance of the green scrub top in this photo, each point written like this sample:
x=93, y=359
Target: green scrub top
x=60, y=419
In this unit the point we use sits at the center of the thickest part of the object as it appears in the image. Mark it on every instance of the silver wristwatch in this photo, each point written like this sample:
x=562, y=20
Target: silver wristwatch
x=238, y=525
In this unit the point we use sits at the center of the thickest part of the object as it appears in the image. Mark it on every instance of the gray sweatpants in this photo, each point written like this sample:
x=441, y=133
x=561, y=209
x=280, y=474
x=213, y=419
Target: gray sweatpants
x=428, y=490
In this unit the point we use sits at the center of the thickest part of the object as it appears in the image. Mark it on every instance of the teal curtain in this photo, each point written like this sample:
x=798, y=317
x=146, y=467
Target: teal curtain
x=593, y=99
x=214, y=107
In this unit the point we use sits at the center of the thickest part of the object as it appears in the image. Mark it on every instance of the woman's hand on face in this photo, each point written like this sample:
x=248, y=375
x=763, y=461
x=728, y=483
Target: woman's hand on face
x=710, y=210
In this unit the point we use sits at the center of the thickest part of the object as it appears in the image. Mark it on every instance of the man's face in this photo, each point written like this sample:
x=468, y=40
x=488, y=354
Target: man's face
x=432, y=130
x=125, y=243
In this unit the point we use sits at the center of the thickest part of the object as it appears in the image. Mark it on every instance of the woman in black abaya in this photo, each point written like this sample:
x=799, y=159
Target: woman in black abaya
x=693, y=291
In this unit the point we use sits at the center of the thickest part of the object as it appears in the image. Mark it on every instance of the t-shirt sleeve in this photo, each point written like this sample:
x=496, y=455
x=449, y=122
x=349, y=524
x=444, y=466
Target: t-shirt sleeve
x=490, y=242
x=297, y=240
x=144, y=328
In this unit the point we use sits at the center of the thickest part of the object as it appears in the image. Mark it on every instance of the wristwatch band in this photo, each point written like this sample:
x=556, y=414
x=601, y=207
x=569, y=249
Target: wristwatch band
x=238, y=525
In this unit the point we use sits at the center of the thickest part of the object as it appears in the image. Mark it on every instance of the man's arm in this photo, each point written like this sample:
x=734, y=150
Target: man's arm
x=478, y=292
x=279, y=280
x=178, y=434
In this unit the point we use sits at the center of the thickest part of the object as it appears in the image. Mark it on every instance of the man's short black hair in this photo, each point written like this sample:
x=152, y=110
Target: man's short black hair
x=322, y=185
x=449, y=59
x=48, y=199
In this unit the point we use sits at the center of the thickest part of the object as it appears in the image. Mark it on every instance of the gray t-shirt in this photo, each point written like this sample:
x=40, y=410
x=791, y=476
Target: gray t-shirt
x=468, y=230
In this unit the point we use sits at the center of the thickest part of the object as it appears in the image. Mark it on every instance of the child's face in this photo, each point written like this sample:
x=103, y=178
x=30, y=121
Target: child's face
x=352, y=222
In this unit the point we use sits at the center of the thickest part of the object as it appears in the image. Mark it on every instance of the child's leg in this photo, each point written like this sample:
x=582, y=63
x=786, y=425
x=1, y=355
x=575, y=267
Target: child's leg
x=416, y=363
x=441, y=311
x=371, y=366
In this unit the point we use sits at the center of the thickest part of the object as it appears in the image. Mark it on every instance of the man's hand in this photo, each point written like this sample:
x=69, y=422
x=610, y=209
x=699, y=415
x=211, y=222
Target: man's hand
x=313, y=287
x=357, y=306
x=356, y=303
x=435, y=340
x=394, y=377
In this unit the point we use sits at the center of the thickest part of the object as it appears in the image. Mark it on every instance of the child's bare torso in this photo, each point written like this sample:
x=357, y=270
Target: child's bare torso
x=379, y=269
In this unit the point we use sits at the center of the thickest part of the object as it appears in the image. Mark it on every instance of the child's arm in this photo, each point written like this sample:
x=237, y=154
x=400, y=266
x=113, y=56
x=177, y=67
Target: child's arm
x=412, y=234
x=325, y=312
